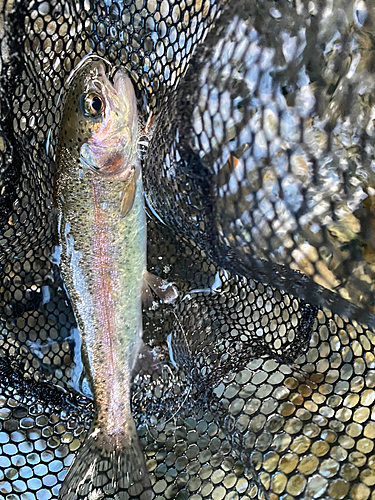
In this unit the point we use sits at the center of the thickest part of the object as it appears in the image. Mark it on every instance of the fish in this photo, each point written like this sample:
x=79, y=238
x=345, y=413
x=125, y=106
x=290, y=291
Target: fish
x=101, y=229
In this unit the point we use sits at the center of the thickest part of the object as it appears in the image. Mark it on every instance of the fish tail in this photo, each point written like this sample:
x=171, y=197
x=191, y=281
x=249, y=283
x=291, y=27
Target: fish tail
x=105, y=466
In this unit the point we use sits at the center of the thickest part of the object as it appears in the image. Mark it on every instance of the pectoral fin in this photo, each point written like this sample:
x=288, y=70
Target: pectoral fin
x=163, y=289
x=128, y=193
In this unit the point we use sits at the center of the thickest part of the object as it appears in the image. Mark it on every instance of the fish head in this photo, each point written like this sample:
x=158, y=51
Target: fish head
x=99, y=127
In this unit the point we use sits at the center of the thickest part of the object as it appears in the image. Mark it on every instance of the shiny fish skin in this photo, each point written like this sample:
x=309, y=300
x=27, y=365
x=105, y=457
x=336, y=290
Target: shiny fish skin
x=102, y=233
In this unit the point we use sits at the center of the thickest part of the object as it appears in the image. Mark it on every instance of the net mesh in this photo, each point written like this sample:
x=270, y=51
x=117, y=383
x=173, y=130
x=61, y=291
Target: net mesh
x=259, y=182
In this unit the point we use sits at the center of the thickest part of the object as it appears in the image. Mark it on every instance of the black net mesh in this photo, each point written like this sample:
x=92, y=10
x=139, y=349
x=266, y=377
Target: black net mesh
x=259, y=179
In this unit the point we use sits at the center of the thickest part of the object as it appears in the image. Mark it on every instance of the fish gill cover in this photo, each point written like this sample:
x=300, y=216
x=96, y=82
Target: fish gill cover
x=260, y=183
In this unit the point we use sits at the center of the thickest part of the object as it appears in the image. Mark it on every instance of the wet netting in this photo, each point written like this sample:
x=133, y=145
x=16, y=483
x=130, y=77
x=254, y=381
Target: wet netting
x=259, y=175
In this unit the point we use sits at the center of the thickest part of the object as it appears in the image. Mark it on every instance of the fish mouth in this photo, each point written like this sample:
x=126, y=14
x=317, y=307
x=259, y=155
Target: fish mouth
x=122, y=83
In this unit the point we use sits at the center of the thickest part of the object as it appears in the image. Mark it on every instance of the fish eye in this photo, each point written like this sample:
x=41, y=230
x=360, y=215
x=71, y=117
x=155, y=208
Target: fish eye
x=92, y=105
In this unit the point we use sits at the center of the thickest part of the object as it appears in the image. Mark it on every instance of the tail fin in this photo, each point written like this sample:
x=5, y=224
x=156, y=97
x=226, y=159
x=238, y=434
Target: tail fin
x=108, y=467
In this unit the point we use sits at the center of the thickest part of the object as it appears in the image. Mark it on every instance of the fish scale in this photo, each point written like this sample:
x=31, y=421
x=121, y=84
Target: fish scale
x=259, y=105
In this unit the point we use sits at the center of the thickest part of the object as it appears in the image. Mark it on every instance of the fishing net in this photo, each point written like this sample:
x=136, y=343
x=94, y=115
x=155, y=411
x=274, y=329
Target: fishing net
x=259, y=178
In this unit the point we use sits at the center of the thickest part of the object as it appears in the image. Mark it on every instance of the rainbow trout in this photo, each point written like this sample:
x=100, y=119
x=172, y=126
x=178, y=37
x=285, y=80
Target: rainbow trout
x=102, y=234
